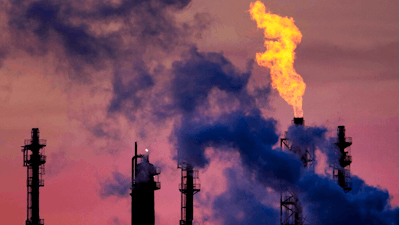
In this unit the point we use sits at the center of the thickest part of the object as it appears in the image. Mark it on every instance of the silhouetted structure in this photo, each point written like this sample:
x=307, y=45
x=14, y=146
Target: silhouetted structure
x=341, y=173
x=188, y=187
x=291, y=209
x=35, y=170
x=144, y=183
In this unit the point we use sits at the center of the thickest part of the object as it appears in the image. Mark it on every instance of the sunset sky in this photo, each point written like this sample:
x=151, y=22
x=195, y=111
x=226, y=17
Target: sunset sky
x=95, y=76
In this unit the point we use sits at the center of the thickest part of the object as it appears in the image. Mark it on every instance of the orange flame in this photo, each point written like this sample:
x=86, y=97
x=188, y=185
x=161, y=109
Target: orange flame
x=282, y=37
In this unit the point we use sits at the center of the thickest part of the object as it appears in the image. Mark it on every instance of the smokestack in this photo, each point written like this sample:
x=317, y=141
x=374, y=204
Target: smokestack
x=35, y=165
x=144, y=183
x=189, y=187
x=342, y=174
x=298, y=121
x=291, y=208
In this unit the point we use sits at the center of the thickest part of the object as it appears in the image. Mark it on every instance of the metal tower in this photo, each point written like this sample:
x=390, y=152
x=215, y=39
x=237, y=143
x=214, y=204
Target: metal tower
x=291, y=209
x=35, y=170
x=341, y=173
x=144, y=183
x=188, y=187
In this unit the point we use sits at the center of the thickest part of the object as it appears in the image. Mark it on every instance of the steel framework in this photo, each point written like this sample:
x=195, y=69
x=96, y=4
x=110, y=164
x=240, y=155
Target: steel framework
x=291, y=208
x=188, y=187
x=341, y=172
x=35, y=171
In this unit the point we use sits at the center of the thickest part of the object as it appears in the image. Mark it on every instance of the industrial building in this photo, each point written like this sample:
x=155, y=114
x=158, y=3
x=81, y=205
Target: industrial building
x=145, y=180
x=144, y=183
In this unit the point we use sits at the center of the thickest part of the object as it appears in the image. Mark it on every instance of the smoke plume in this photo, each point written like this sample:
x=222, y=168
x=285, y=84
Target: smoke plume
x=118, y=186
x=240, y=205
x=239, y=126
x=329, y=204
x=207, y=99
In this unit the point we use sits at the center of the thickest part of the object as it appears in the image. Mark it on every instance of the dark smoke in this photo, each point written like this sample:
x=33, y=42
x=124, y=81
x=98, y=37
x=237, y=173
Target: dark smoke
x=145, y=168
x=90, y=41
x=198, y=73
x=128, y=96
x=147, y=26
x=253, y=136
x=313, y=138
x=239, y=205
x=94, y=35
x=244, y=129
x=329, y=204
x=249, y=134
x=43, y=23
x=118, y=186
x=194, y=77
x=325, y=201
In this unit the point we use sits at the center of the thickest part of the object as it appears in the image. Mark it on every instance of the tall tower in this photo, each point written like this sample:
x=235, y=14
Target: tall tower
x=188, y=187
x=144, y=183
x=35, y=170
x=341, y=173
x=291, y=209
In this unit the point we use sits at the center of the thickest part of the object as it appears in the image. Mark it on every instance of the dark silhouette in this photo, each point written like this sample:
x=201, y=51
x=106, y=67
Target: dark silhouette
x=144, y=183
x=291, y=209
x=35, y=164
x=188, y=187
x=342, y=173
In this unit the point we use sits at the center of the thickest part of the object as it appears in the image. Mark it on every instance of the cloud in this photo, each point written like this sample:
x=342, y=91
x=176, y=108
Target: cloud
x=117, y=221
x=189, y=85
x=249, y=134
x=118, y=186
x=252, y=136
x=241, y=127
x=329, y=204
x=129, y=96
x=312, y=138
x=239, y=205
x=198, y=73
x=58, y=161
x=91, y=36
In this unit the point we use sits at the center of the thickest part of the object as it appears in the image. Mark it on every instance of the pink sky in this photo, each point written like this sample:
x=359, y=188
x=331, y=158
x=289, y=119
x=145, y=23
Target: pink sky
x=348, y=59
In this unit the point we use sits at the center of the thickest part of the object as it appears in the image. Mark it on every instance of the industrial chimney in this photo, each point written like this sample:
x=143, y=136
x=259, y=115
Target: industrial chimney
x=298, y=120
x=291, y=208
x=188, y=187
x=144, y=183
x=342, y=172
x=35, y=170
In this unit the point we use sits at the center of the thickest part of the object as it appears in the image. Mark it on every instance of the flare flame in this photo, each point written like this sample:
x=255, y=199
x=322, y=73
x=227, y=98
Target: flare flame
x=282, y=37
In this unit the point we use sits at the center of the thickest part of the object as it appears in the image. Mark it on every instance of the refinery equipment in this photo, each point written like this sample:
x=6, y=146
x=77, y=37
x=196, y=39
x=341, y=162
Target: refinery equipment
x=35, y=170
x=341, y=172
x=144, y=183
x=188, y=187
x=291, y=209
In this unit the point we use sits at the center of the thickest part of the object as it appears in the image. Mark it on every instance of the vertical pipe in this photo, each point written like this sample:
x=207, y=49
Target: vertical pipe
x=342, y=144
x=35, y=176
x=35, y=188
x=189, y=197
x=134, y=165
x=183, y=203
x=28, y=194
x=281, y=205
